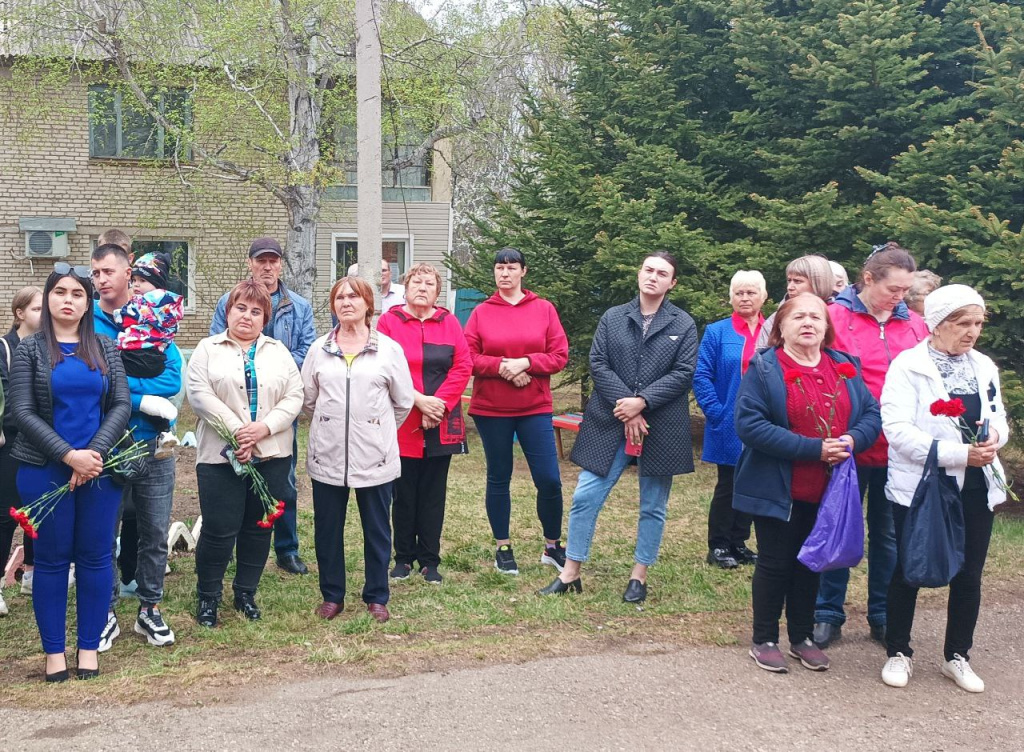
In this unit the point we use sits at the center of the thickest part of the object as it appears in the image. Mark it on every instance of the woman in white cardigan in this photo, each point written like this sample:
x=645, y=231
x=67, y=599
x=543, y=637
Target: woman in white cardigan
x=248, y=383
x=946, y=366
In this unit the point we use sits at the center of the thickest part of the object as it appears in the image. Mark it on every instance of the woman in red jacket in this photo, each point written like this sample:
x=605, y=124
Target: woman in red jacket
x=874, y=324
x=517, y=343
x=440, y=364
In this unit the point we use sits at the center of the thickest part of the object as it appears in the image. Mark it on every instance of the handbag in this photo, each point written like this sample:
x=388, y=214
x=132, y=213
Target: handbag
x=932, y=543
x=125, y=471
x=837, y=538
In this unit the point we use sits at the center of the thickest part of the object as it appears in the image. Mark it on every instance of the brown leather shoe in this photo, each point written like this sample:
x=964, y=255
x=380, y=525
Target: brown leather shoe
x=328, y=610
x=378, y=611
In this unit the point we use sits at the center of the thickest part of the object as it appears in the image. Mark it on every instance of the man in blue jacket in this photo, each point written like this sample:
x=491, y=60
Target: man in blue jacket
x=292, y=324
x=151, y=495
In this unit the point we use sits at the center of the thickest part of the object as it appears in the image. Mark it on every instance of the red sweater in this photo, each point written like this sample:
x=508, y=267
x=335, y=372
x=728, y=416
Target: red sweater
x=440, y=365
x=807, y=406
x=531, y=329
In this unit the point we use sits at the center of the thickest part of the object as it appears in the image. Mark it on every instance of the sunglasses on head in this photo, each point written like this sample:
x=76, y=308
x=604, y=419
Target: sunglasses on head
x=81, y=272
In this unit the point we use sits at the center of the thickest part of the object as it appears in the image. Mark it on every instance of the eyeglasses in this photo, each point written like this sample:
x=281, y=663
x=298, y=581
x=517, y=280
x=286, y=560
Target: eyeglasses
x=81, y=272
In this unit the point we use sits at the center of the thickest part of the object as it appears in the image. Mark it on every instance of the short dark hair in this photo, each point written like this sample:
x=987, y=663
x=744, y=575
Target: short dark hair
x=510, y=255
x=251, y=291
x=111, y=249
x=667, y=257
x=886, y=257
x=786, y=310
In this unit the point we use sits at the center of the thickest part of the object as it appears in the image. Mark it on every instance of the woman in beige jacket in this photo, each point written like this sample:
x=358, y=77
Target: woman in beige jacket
x=358, y=390
x=247, y=383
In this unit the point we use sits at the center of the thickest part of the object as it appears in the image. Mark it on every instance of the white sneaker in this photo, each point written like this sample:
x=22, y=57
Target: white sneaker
x=897, y=670
x=959, y=670
x=150, y=624
x=110, y=633
x=26, y=582
x=165, y=445
x=3, y=605
x=71, y=576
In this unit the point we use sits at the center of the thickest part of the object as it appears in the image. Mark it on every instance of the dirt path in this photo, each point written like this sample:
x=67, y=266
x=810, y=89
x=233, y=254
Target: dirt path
x=644, y=696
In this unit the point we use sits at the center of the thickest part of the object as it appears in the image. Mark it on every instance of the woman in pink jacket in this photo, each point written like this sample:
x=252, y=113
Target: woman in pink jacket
x=873, y=324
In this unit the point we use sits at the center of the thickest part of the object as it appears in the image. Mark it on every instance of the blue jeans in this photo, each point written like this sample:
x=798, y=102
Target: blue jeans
x=537, y=438
x=592, y=491
x=79, y=530
x=152, y=497
x=286, y=527
x=881, y=557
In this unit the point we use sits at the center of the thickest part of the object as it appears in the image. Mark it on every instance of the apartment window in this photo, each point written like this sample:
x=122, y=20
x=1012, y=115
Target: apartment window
x=178, y=250
x=395, y=252
x=121, y=128
x=413, y=176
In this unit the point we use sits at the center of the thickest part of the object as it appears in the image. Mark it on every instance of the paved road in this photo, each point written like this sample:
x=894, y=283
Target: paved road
x=645, y=696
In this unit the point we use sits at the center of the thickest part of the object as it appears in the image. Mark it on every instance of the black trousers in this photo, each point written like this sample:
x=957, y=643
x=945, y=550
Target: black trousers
x=964, y=590
x=9, y=497
x=779, y=579
x=330, y=505
x=230, y=511
x=417, y=515
x=727, y=528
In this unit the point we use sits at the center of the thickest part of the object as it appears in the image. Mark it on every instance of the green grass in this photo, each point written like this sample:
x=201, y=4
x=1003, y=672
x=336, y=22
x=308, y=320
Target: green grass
x=476, y=616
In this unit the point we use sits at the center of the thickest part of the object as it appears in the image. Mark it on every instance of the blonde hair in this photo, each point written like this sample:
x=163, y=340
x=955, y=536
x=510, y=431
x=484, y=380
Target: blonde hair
x=113, y=236
x=925, y=282
x=423, y=269
x=22, y=300
x=752, y=278
x=818, y=272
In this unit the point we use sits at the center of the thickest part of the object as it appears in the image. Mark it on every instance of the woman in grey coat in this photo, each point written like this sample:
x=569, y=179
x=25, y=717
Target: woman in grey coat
x=642, y=362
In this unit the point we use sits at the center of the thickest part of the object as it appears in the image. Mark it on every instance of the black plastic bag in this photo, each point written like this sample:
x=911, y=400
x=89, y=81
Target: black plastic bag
x=932, y=544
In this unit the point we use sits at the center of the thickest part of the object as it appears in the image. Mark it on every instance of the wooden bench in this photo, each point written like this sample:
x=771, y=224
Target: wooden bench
x=568, y=421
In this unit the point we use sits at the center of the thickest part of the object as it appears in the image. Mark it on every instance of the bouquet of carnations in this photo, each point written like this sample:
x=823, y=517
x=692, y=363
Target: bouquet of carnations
x=954, y=409
x=823, y=425
x=30, y=516
x=272, y=509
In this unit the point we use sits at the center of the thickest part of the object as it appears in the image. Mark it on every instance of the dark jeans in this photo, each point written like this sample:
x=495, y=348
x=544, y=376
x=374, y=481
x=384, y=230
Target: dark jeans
x=881, y=556
x=151, y=497
x=330, y=504
x=9, y=497
x=128, y=558
x=780, y=579
x=964, y=590
x=286, y=527
x=537, y=438
x=727, y=528
x=230, y=511
x=418, y=511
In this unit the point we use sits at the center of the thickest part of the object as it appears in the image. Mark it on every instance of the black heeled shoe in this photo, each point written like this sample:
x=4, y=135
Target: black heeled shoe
x=557, y=587
x=57, y=676
x=636, y=592
x=85, y=673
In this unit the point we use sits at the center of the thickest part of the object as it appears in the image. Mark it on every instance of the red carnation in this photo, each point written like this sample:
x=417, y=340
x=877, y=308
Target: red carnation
x=956, y=408
x=791, y=376
x=847, y=370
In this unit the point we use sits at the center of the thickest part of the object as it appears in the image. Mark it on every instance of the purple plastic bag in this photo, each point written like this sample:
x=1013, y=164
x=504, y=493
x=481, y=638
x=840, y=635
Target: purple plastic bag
x=837, y=540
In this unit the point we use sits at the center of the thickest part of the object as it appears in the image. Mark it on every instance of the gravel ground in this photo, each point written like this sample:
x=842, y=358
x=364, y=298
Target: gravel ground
x=644, y=696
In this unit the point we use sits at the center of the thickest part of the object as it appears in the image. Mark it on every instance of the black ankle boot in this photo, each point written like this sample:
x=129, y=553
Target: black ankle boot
x=557, y=587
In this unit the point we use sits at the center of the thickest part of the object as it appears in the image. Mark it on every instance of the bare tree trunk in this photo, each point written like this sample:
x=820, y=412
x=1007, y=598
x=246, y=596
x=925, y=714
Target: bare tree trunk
x=303, y=205
x=369, y=219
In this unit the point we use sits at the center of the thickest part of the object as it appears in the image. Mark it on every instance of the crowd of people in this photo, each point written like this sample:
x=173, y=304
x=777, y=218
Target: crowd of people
x=840, y=370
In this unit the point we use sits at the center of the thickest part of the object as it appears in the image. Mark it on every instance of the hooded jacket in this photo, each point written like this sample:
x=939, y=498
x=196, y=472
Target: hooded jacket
x=874, y=344
x=911, y=387
x=440, y=365
x=764, y=472
x=529, y=329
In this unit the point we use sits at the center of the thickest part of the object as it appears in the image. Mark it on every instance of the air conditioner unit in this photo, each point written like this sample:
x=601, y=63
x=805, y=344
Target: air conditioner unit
x=46, y=244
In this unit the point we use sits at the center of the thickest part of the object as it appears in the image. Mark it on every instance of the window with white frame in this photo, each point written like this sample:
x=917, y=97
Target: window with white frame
x=179, y=276
x=393, y=250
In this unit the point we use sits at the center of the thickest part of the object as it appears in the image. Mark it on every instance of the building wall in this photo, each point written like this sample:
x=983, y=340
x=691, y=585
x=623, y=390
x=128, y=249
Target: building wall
x=45, y=170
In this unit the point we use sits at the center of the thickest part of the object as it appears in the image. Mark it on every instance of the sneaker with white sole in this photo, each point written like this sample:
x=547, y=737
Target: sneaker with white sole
x=897, y=670
x=505, y=560
x=768, y=656
x=810, y=655
x=26, y=581
x=110, y=633
x=166, y=443
x=3, y=605
x=959, y=670
x=150, y=624
x=554, y=556
x=71, y=576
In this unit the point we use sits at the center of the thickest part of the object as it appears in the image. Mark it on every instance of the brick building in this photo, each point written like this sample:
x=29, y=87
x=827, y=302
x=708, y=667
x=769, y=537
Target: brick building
x=67, y=175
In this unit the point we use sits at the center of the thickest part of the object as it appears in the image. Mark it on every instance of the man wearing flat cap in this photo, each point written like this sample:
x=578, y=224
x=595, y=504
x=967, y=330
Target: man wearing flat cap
x=290, y=322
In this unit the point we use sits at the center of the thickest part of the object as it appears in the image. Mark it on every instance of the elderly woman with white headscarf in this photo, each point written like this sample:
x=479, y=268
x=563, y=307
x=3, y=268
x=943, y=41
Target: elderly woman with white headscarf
x=943, y=368
x=725, y=352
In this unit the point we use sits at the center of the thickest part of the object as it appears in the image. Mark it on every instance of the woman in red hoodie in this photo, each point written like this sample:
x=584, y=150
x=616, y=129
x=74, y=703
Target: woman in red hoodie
x=874, y=324
x=517, y=343
x=440, y=364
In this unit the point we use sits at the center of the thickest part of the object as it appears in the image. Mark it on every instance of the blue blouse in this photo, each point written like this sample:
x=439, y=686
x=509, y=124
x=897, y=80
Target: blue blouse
x=77, y=398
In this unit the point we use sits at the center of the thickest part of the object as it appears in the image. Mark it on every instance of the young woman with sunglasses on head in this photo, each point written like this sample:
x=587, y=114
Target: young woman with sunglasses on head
x=70, y=400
